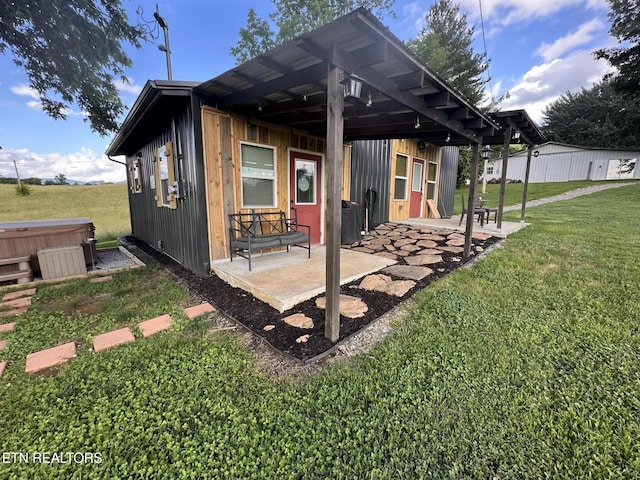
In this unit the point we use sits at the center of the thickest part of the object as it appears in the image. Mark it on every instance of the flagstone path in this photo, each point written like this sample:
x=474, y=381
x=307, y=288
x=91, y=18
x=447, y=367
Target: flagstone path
x=20, y=301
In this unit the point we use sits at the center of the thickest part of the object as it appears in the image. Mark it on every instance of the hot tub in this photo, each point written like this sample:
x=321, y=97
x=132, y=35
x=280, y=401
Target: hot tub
x=26, y=238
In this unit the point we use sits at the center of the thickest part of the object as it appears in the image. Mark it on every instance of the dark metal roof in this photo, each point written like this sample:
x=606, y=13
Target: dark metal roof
x=520, y=122
x=287, y=86
x=158, y=101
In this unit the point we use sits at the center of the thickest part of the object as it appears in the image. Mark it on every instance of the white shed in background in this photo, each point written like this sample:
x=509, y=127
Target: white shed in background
x=559, y=162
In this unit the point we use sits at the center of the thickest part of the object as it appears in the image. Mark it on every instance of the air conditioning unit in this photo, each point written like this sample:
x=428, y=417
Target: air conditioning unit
x=61, y=262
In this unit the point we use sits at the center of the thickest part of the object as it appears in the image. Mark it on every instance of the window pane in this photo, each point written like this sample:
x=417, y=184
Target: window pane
x=416, y=179
x=433, y=168
x=401, y=166
x=305, y=182
x=257, y=161
x=257, y=192
x=400, y=189
x=431, y=191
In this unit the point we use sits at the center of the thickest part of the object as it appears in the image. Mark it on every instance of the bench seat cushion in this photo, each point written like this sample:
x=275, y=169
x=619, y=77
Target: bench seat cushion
x=270, y=241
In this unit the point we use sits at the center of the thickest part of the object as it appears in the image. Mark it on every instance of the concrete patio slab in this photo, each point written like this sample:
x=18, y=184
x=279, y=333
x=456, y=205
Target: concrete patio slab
x=490, y=228
x=155, y=325
x=198, y=310
x=112, y=339
x=51, y=357
x=284, y=279
x=3, y=365
x=18, y=294
x=7, y=327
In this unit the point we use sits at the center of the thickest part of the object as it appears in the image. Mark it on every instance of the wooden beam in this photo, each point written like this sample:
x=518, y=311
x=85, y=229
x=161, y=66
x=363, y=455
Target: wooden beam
x=226, y=160
x=525, y=190
x=471, y=200
x=503, y=183
x=335, y=130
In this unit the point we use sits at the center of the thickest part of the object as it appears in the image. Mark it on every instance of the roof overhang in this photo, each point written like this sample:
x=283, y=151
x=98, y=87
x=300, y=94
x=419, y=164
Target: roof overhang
x=520, y=122
x=157, y=102
x=287, y=86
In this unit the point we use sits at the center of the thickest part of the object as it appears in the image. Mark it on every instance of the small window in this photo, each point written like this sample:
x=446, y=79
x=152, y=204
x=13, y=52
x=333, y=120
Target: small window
x=431, y=180
x=135, y=175
x=400, y=179
x=258, y=176
x=165, y=176
x=489, y=169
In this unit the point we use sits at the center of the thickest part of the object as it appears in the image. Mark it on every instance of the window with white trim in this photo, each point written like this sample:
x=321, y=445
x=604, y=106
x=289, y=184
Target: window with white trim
x=401, y=175
x=258, y=172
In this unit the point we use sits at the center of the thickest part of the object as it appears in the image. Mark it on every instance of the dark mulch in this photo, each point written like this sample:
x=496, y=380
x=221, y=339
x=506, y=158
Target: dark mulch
x=255, y=314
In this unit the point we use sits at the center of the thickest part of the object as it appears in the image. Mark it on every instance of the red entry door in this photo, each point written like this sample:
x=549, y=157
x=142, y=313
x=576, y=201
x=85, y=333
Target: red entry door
x=417, y=187
x=306, y=190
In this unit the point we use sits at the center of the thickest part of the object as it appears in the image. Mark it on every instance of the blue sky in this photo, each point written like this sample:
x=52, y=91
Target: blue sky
x=539, y=49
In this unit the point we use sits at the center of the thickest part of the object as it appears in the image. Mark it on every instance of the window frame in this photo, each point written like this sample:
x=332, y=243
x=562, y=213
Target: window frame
x=404, y=178
x=273, y=179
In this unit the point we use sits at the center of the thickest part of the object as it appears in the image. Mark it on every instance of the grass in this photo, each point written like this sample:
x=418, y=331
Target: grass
x=525, y=366
x=513, y=192
x=106, y=205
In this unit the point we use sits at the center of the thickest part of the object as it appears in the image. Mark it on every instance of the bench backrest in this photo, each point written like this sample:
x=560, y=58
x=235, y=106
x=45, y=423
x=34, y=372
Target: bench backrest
x=255, y=224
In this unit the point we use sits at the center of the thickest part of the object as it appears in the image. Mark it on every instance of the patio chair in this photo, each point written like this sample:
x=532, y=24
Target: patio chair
x=478, y=209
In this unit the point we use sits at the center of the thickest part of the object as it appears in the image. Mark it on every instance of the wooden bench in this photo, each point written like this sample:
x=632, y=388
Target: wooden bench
x=251, y=232
x=21, y=272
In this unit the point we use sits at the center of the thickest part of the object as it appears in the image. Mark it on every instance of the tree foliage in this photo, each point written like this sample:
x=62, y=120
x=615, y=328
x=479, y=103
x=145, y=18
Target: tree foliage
x=72, y=53
x=596, y=117
x=625, y=27
x=445, y=45
x=292, y=18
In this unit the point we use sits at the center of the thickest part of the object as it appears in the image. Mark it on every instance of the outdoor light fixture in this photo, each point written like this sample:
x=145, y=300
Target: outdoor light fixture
x=486, y=152
x=305, y=97
x=536, y=153
x=369, y=101
x=352, y=86
x=448, y=137
x=417, y=125
x=516, y=135
x=164, y=48
x=259, y=106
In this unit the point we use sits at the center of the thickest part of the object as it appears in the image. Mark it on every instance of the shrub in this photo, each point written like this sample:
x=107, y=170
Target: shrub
x=23, y=189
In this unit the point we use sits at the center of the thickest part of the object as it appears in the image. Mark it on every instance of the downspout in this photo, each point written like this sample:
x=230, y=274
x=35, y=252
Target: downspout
x=116, y=161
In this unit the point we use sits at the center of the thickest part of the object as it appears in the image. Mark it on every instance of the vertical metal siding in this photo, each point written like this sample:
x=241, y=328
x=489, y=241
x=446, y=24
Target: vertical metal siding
x=371, y=168
x=182, y=231
x=448, y=176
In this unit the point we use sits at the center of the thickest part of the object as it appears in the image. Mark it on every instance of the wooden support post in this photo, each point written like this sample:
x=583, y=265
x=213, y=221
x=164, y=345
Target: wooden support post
x=472, y=194
x=503, y=183
x=525, y=191
x=335, y=130
x=227, y=167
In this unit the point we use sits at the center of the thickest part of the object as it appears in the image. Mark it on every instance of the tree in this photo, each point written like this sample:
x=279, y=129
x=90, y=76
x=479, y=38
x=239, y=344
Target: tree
x=625, y=27
x=596, y=117
x=292, y=18
x=72, y=53
x=445, y=46
x=61, y=179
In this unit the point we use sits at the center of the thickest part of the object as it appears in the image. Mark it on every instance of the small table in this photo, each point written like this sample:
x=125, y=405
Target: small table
x=489, y=211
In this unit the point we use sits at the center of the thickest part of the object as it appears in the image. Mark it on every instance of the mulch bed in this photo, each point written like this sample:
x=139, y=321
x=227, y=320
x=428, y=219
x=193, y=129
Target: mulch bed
x=255, y=314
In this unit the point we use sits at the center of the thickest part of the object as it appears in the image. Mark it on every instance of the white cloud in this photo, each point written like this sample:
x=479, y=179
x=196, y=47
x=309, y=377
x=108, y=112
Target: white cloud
x=84, y=165
x=128, y=86
x=25, y=91
x=584, y=34
x=544, y=83
x=508, y=12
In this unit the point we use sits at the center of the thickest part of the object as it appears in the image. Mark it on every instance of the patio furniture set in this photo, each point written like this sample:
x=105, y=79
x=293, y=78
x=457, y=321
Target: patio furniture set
x=483, y=212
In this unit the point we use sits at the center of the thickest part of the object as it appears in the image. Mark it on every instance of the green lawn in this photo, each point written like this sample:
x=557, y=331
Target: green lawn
x=106, y=205
x=513, y=192
x=526, y=366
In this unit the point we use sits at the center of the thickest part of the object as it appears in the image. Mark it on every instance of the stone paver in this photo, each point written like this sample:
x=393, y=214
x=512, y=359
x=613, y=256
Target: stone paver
x=350, y=307
x=3, y=365
x=197, y=310
x=17, y=303
x=15, y=311
x=101, y=279
x=18, y=294
x=7, y=327
x=3, y=344
x=423, y=259
x=51, y=357
x=155, y=325
x=112, y=339
x=298, y=320
x=408, y=271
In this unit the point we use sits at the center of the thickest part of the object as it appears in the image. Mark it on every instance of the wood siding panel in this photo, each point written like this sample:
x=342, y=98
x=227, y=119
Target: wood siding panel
x=399, y=209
